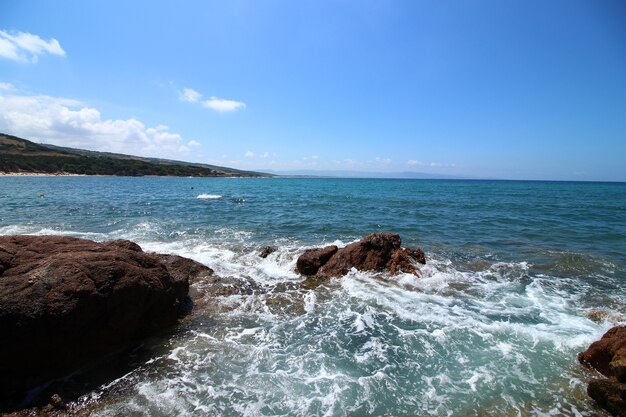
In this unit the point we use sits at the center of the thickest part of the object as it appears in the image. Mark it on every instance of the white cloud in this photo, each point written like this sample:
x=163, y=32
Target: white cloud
x=222, y=105
x=413, y=162
x=439, y=165
x=190, y=95
x=214, y=103
x=6, y=87
x=71, y=123
x=26, y=47
x=265, y=155
x=249, y=154
x=193, y=143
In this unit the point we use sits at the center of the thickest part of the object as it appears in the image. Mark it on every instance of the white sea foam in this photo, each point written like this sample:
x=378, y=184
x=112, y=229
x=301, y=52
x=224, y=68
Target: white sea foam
x=209, y=196
x=362, y=344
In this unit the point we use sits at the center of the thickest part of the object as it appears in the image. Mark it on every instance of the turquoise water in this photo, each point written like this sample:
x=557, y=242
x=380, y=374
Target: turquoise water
x=492, y=327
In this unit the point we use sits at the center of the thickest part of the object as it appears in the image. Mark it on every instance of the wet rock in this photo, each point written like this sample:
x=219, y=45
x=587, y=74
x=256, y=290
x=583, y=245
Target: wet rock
x=608, y=356
x=311, y=260
x=402, y=261
x=286, y=303
x=265, y=251
x=610, y=349
x=610, y=395
x=312, y=282
x=56, y=403
x=64, y=302
x=599, y=315
x=375, y=252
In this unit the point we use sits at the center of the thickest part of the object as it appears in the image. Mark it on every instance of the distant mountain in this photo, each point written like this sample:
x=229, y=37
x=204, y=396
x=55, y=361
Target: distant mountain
x=364, y=174
x=19, y=155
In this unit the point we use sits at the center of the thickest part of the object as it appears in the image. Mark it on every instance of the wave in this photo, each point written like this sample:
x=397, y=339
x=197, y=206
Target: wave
x=367, y=342
x=209, y=196
x=454, y=340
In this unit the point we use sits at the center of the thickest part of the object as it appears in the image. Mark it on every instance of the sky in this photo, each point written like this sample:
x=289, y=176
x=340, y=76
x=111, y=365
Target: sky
x=519, y=89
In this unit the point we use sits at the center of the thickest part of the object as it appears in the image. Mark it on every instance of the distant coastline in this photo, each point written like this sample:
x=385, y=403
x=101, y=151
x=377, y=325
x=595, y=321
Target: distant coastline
x=22, y=157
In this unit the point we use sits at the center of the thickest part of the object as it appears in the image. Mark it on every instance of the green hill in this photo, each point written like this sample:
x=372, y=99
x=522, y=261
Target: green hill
x=19, y=155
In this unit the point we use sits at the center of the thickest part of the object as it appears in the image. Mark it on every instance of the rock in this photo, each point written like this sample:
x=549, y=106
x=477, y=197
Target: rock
x=265, y=251
x=56, y=402
x=375, y=252
x=311, y=260
x=402, y=261
x=66, y=301
x=610, y=395
x=598, y=315
x=608, y=354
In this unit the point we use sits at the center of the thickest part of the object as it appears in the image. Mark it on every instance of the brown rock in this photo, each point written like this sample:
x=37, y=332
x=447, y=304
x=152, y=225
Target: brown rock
x=311, y=260
x=64, y=301
x=608, y=354
x=372, y=253
x=610, y=395
x=402, y=261
x=375, y=252
x=265, y=251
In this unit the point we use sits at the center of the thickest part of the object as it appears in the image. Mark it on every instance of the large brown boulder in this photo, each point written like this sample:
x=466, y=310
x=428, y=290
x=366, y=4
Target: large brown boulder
x=375, y=252
x=610, y=395
x=608, y=356
x=312, y=259
x=65, y=301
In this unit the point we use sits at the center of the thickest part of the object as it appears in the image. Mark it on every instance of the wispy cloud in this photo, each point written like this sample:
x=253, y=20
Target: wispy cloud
x=414, y=162
x=26, y=47
x=6, y=87
x=222, y=105
x=249, y=154
x=190, y=95
x=217, y=104
x=69, y=122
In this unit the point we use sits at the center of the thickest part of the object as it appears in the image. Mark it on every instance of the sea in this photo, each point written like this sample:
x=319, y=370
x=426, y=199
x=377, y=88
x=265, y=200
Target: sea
x=520, y=276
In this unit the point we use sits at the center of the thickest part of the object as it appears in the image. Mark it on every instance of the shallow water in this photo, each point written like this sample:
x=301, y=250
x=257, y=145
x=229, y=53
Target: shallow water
x=492, y=327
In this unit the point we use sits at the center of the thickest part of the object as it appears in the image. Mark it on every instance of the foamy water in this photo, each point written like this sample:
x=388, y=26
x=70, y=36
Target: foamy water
x=491, y=328
x=490, y=342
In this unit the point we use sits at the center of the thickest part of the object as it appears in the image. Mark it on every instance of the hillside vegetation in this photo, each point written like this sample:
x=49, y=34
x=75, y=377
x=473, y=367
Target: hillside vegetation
x=19, y=155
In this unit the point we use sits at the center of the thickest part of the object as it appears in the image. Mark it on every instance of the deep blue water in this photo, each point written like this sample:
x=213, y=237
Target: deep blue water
x=491, y=328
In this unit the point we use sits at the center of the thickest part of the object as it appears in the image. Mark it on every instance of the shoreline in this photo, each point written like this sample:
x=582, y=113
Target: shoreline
x=38, y=174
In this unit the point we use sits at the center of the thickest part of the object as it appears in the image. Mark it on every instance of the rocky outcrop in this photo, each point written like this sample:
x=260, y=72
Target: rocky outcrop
x=608, y=356
x=312, y=260
x=65, y=301
x=375, y=252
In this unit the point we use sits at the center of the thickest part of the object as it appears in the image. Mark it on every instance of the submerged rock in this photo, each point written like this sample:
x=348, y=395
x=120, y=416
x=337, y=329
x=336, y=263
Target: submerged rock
x=266, y=251
x=66, y=301
x=608, y=356
x=375, y=252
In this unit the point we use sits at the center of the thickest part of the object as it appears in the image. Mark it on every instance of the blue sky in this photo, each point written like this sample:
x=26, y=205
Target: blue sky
x=499, y=89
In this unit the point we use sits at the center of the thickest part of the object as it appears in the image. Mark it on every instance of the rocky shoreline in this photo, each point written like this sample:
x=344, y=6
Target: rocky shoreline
x=69, y=304
x=66, y=303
